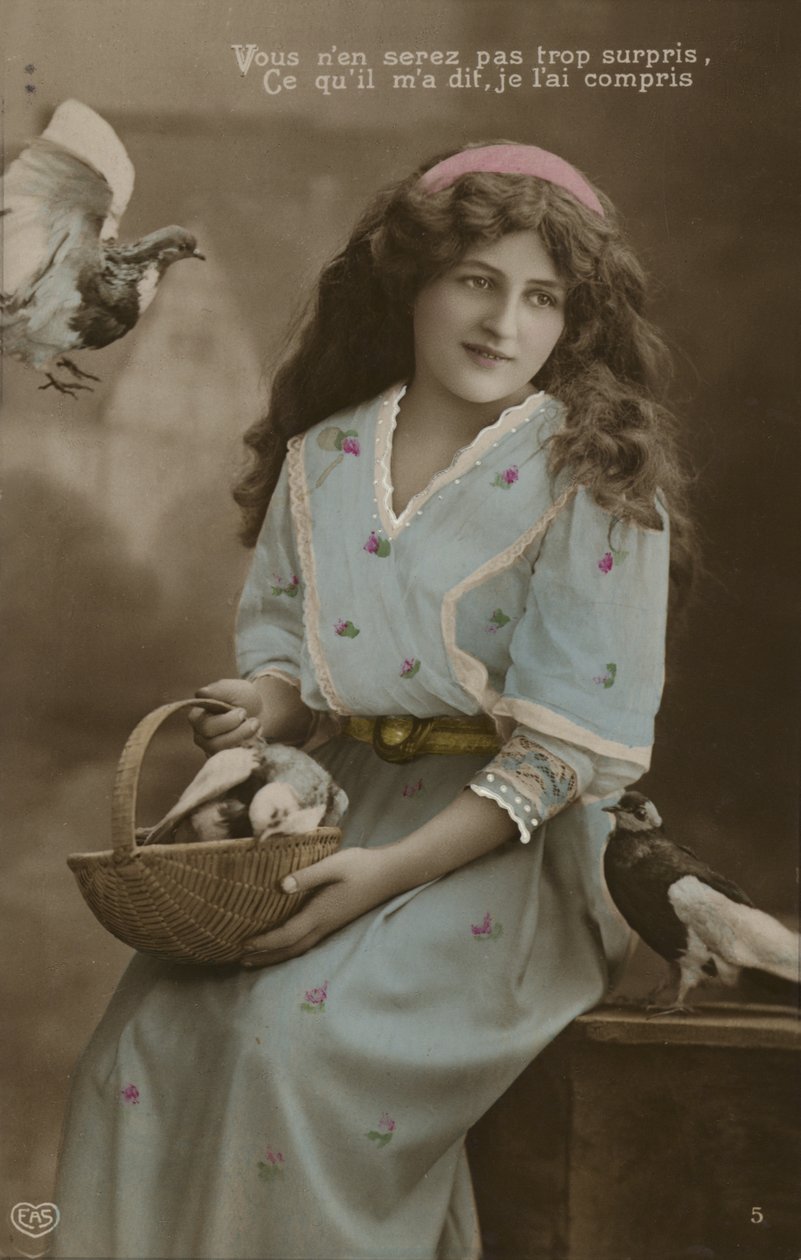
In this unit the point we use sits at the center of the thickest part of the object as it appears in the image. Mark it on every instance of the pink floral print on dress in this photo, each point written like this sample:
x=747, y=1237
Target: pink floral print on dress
x=130, y=1094
x=410, y=667
x=345, y=441
x=272, y=1166
x=486, y=930
x=346, y=629
x=606, y=561
x=383, y=1133
x=506, y=478
x=614, y=555
x=497, y=621
x=377, y=546
x=315, y=999
x=606, y=680
x=283, y=587
x=411, y=789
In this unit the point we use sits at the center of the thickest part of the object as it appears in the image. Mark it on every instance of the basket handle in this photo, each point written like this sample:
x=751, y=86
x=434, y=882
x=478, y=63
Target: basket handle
x=126, y=780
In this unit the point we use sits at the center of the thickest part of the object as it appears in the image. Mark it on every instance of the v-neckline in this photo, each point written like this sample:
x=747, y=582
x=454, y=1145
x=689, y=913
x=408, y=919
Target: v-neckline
x=464, y=458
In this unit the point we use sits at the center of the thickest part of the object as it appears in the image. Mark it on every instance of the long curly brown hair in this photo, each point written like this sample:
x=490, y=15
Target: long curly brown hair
x=608, y=368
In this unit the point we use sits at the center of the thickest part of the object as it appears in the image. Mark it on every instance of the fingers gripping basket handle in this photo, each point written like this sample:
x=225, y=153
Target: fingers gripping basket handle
x=126, y=781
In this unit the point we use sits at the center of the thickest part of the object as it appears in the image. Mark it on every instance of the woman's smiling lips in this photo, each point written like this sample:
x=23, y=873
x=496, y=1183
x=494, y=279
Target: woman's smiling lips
x=483, y=355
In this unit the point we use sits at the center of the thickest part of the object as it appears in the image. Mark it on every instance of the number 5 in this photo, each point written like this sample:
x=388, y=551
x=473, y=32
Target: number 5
x=757, y=1216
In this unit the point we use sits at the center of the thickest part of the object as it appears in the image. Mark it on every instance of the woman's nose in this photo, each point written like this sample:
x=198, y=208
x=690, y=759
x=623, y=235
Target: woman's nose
x=500, y=318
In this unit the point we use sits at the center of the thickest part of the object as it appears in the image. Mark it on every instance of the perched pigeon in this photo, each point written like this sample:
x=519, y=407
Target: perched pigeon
x=703, y=924
x=66, y=284
x=256, y=789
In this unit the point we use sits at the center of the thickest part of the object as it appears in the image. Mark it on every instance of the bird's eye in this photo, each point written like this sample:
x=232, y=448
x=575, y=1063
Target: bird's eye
x=640, y=813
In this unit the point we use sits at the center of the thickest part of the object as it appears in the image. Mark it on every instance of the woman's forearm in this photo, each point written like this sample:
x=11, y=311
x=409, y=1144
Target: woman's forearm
x=284, y=716
x=353, y=881
x=466, y=829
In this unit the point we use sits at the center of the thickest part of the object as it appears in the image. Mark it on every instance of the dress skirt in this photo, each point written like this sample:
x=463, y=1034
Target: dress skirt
x=317, y=1109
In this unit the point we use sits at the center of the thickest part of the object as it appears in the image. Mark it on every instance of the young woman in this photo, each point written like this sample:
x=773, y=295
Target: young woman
x=459, y=504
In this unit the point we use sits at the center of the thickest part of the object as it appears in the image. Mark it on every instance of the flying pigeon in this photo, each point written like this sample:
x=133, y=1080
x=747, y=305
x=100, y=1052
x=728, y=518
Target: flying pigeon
x=257, y=789
x=703, y=924
x=66, y=284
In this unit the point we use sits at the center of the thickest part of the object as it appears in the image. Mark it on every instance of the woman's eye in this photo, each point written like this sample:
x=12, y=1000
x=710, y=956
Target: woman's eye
x=477, y=282
x=542, y=299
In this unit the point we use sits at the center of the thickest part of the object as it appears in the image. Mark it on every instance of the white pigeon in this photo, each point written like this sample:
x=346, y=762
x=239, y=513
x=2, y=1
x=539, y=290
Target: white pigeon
x=312, y=785
x=275, y=810
x=254, y=789
x=66, y=284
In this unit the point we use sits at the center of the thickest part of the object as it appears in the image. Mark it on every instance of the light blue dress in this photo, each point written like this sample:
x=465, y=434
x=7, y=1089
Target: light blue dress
x=318, y=1109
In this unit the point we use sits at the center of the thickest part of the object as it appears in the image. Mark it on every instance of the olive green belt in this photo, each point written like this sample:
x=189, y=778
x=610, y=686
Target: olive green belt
x=403, y=737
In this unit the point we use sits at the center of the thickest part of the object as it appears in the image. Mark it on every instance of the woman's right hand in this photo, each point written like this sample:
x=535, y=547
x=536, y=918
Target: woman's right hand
x=216, y=731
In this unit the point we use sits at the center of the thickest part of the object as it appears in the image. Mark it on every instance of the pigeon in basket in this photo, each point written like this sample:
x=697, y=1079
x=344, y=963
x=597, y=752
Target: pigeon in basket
x=66, y=284
x=703, y=924
x=258, y=789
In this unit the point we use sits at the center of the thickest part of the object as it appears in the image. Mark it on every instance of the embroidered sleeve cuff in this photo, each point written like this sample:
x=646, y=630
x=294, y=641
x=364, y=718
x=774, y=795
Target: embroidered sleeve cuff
x=528, y=781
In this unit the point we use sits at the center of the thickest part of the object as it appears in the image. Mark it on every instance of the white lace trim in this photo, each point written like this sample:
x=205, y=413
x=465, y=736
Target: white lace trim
x=470, y=672
x=387, y=420
x=302, y=518
x=464, y=458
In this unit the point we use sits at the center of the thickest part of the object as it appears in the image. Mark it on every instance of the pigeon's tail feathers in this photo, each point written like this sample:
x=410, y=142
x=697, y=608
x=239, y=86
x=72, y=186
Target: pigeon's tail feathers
x=739, y=934
x=79, y=130
x=336, y=808
x=222, y=772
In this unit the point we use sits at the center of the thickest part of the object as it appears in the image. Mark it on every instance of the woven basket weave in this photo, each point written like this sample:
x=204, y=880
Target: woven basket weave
x=189, y=902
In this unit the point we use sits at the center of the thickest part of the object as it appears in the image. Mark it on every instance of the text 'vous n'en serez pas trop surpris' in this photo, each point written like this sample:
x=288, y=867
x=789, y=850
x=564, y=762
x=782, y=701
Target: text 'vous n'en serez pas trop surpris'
x=334, y=70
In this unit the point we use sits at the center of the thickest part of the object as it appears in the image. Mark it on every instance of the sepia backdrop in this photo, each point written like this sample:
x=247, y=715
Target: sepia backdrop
x=117, y=531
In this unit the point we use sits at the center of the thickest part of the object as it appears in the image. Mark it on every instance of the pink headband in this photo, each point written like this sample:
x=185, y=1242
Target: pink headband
x=512, y=159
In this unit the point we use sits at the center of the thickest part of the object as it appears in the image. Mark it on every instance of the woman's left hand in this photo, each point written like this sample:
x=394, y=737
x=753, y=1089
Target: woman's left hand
x=350, y=883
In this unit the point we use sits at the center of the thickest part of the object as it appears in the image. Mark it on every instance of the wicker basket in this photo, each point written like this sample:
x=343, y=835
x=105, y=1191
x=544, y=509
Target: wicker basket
x=189, y=902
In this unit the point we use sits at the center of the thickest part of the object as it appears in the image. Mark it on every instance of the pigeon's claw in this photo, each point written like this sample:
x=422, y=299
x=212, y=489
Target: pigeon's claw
x=665, y=997
x=76, y=371
x=652, y=1010
x=65, y=387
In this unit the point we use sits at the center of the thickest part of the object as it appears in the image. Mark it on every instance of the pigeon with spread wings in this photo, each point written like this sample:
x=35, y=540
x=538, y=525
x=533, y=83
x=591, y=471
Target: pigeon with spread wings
x=66, y=284
x=699, y=921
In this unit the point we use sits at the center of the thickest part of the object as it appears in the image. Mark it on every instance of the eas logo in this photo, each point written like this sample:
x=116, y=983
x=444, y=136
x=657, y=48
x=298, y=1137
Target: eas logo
x=35, y=1220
